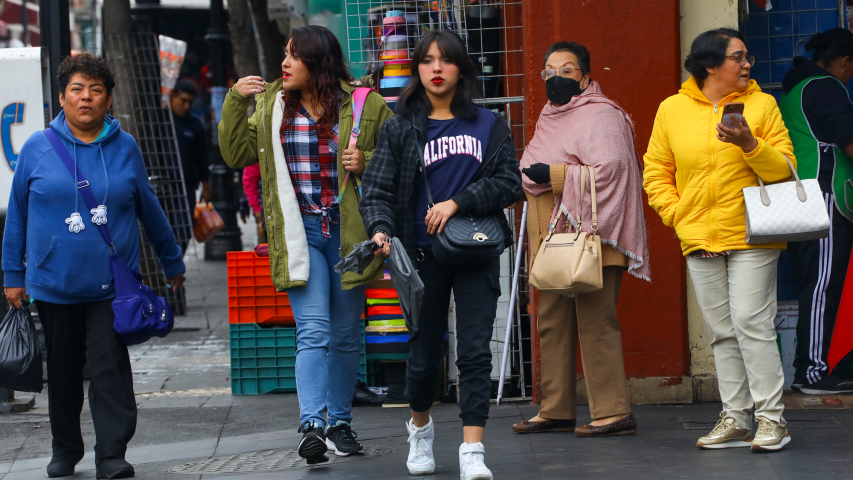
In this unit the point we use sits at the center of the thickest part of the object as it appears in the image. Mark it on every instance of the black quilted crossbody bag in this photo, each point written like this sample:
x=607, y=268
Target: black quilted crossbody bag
x=466, y=239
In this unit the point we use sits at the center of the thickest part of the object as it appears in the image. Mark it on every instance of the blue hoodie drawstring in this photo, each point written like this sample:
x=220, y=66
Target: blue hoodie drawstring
x=106, y=175
x=76, y=181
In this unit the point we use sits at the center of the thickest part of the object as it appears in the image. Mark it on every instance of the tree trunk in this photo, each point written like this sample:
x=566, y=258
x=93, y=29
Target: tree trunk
x=118, y=48
x=271, y=40
x=243, y=38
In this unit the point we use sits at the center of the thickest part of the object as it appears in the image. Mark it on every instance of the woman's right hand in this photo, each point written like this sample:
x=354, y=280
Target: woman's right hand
x=384, y=244
x=16, y=296
x=249, y=86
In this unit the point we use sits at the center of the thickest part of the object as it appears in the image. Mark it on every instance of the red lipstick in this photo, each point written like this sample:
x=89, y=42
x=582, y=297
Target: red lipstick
x=437, y=80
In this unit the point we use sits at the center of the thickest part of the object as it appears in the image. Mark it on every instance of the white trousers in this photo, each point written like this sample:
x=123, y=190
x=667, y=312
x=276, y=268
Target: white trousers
x=737, y=295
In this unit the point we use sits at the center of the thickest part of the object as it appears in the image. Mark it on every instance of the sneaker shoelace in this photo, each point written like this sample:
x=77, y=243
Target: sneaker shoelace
x=421, y=446
x=765, y=428
x=720, y=428
x=346, y=433
x=474, y=459
x=305, y=427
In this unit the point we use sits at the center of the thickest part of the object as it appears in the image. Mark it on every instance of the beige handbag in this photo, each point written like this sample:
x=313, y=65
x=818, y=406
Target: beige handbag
x=570, y=263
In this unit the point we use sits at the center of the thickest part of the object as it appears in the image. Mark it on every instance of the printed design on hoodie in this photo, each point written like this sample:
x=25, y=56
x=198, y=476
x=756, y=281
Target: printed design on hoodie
x=443, y=147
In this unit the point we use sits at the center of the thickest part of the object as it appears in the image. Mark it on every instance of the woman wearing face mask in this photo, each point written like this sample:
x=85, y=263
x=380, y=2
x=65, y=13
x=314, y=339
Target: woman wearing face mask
x=581, y=127
x=471, y=168
x=819, y=116
x=696, y=170
x=299, y=134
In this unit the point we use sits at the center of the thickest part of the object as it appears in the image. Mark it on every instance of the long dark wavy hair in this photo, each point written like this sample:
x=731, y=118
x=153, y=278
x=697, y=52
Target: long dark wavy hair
x=414, y=96
x=319, y=50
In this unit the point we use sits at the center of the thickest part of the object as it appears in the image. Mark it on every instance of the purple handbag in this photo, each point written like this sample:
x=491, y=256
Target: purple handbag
x=139, y=313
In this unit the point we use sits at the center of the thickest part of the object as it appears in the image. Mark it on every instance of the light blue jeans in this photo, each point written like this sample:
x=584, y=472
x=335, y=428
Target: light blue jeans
x=327, y=331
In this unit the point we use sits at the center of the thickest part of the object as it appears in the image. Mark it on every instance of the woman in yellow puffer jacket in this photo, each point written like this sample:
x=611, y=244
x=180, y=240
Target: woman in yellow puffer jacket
x=695, y=172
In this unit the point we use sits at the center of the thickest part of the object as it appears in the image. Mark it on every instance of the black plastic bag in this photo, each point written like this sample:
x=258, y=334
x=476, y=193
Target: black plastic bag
x=407, y=283
x=20, y=354
x=359, y=259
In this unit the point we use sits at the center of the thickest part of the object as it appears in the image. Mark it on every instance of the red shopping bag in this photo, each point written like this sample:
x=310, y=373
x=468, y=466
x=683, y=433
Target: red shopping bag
x=208, y=222
x=842, y=335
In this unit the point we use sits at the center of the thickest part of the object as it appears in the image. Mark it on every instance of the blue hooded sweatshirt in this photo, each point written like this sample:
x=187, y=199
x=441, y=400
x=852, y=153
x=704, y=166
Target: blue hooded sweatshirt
x=39, y=250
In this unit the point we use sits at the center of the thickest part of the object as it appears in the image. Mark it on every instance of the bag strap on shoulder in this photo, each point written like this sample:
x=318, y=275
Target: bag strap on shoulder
x=82, y=183
x=359, y=98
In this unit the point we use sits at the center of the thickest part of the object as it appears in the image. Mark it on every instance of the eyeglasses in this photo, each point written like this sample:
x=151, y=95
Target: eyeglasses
x=563, y=72
x=742, y=59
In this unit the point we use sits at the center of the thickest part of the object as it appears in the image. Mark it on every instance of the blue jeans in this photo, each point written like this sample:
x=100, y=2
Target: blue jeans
x=327, y=331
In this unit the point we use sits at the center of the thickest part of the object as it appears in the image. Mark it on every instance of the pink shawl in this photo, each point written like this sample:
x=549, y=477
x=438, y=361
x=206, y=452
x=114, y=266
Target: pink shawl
x=594, y=130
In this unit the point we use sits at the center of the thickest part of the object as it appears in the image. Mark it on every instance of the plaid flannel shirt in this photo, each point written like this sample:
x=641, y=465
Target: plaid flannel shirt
x=313, y=165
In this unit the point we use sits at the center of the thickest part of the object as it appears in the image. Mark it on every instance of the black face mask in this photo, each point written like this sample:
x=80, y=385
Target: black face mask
x=560, y=90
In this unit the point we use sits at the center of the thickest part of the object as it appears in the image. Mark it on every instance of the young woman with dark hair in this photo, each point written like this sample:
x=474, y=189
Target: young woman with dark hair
x=696, y=168
x=471, y=169
x=819, y=116
x=299, y=135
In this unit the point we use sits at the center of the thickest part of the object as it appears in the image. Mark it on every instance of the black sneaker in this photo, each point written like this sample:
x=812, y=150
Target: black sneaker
x=365, y=396
x=313, y=445
x=341, y=439
x=828, y=385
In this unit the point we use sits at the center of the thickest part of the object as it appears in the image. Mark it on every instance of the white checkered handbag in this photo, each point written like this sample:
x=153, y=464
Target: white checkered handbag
x=785, y=212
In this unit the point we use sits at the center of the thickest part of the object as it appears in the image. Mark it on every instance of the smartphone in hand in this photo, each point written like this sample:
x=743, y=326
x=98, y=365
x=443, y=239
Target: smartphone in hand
x=732, y=114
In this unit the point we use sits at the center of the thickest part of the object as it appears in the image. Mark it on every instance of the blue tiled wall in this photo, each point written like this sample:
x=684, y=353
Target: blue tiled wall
x=777, y=36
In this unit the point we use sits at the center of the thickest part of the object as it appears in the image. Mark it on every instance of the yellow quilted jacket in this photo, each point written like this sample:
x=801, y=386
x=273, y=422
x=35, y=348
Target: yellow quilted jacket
x=695, y=182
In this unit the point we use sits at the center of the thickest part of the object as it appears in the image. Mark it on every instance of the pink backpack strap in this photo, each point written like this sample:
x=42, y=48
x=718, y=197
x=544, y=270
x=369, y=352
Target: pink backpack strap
x=359, y=97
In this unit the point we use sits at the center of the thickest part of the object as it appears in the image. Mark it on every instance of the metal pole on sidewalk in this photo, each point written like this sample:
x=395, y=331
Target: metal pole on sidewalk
x=55, y=31
x=512, y=300
x=221, y=177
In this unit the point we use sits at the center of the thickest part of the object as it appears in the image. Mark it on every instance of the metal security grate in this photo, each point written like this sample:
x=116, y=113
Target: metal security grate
x=143, y=116
x=268, y=460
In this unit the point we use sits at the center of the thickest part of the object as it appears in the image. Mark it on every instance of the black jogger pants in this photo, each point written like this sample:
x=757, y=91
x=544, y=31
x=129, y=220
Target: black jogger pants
x=821, y=266
x=73, y=333
x=476, y=291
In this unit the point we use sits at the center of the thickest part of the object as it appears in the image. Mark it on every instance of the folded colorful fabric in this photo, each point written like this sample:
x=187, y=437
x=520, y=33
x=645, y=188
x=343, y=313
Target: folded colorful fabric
x=386, y=329
x=381, y=293
x=383, y=301
x=387, y=323
x=394, y=82
x=379, y=318
x=383, y=310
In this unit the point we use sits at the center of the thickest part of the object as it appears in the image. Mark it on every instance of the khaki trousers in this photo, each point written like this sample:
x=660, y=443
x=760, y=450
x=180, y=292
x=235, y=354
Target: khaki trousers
x=593, y=316
x=737, y=296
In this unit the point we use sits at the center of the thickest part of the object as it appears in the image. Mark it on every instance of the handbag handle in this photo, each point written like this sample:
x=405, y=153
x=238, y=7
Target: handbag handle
x=430, y=203
x=555, y=217
x=801, y=191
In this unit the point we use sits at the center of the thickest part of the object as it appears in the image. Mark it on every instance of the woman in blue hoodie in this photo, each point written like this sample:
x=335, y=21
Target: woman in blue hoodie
x=52, y=251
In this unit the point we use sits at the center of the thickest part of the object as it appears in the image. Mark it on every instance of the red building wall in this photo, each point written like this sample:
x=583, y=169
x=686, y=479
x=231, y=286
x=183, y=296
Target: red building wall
x=635, y=56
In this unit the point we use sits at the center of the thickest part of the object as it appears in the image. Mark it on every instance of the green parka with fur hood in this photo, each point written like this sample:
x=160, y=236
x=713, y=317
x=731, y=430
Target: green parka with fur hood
x=247, y=141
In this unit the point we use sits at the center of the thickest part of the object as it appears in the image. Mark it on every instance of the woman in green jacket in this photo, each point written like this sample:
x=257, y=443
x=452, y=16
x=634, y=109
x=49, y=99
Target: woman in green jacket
x=312, y=216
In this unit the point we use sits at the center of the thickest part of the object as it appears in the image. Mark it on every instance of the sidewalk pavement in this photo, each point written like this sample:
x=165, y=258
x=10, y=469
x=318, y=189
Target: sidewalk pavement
x=190, y=426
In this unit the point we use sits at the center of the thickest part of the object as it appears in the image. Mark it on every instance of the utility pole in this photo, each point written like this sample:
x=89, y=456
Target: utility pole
x=221, y=177
x=55, y=28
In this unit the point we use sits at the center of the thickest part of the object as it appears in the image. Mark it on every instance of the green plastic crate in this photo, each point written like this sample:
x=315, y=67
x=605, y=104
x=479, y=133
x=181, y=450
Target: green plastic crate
x=263, y=359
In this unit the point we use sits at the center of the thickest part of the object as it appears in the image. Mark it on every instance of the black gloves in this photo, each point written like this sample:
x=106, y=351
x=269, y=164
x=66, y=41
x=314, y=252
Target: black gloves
x=539, y=173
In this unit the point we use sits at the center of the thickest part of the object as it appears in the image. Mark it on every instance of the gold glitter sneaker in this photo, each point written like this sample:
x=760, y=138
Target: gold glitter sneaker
x=771, y=436
x=725, y=435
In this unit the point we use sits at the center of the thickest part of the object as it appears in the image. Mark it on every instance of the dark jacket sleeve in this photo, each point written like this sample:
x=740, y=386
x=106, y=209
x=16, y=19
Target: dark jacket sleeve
x=498, y=190
x=201, y=153
x=380, y=181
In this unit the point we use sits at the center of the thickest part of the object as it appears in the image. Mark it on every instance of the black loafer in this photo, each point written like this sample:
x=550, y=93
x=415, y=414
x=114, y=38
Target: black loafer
x=60, y=468
x=114, y=468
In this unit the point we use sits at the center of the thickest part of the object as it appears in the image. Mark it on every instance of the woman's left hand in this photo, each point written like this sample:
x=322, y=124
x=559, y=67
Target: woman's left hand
x=740, y=135
x=353, y=161
x=438, y=215
x=175, y=282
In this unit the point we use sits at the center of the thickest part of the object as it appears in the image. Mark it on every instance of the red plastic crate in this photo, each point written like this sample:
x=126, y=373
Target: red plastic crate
x=251, y=295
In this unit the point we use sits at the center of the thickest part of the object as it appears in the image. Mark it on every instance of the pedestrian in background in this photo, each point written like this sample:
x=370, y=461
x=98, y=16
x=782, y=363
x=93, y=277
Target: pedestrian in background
x=695, y=172
x=296, y=133
x=52, y=252
x=434, y=114
x=819, y=116
x=580, y=127
x=192, y=146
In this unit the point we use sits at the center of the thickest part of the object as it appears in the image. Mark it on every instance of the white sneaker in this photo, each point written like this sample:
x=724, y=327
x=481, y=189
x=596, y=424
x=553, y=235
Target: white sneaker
x=471, y=466
x=421, y=461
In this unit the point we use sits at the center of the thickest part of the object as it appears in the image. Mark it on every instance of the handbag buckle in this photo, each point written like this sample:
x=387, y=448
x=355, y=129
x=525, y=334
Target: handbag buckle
x=480, y=237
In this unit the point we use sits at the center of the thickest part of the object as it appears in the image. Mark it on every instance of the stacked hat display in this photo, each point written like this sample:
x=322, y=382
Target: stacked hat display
x=386, y=330
x=395, y=53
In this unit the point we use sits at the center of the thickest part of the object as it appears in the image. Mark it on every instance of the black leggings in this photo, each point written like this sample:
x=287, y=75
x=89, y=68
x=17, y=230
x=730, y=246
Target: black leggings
x=476, y=291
